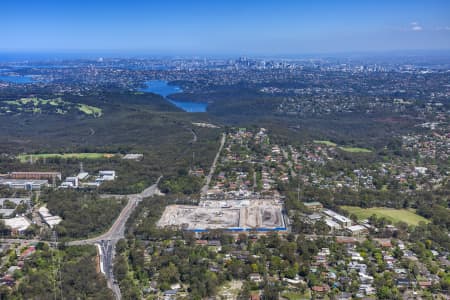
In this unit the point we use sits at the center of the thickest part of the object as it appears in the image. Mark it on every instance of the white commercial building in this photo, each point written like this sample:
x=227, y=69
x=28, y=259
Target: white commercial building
x=24, y=184
x=48, y=218
x=17, y=224
x=70, y=182
x=357, y=230
x=107, y=175
x=343, y=221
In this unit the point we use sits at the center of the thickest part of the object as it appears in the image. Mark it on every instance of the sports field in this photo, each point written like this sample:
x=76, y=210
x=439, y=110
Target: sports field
x=355, y=149
x=27, y=157
x=395, y=215
x=343, y=148
x=328, y=143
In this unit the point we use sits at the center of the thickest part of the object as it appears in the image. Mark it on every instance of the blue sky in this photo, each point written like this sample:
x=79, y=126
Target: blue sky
x=224, y=27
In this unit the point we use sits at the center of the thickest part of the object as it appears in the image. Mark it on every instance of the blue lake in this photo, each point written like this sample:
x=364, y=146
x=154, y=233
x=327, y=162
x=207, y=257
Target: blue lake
x=16, y=79
x=162, y=88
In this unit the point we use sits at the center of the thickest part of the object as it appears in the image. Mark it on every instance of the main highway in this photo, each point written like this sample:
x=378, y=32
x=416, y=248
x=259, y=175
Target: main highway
x=107, y=241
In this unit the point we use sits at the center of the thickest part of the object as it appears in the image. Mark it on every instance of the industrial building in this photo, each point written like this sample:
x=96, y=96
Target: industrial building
x=134, y=156
x=357, y=230
x=24, y=184
x=313, y=206
x=35, y=175
x=48, y=218
x=18, y=225
x=343, y=221
x=82, y=175
x=332, y=224
x=80, y=180
x=70, y=182
x=106, y=175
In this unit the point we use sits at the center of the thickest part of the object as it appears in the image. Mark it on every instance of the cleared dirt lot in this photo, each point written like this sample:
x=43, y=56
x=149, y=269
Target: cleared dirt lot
x=246, y=214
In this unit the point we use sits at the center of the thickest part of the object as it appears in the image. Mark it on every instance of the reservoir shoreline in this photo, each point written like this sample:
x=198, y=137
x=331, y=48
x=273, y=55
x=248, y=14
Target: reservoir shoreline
x=164, y=89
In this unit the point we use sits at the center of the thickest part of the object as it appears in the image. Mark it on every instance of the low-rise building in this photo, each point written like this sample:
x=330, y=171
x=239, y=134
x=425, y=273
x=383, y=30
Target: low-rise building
x=24, y=184
x=70, y=182
x=48, y=218
x=332, y=224
x=35, y=175
x=134, y=156
x=255, y=277
x=107, y=175
x=82, y=175
x=357, y=230
x=18, y=224
x=314, y=217
x=313, y=206
x=342, y=220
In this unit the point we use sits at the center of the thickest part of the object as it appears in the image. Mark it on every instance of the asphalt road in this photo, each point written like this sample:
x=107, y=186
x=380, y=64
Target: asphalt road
x=204, y=189
x=108, y=240
x=117, y=230
x=107, y=258
x=194, y=136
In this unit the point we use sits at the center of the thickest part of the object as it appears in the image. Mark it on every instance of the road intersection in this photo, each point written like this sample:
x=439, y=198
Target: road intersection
x=107, y=241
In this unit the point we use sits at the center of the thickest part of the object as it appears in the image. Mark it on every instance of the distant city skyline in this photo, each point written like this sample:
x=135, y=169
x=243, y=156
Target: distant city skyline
x=224, y=28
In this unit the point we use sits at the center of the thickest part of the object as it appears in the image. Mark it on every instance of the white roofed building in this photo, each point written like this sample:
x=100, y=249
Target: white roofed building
x=18, y=224
x=48, y=218
x=357, y=230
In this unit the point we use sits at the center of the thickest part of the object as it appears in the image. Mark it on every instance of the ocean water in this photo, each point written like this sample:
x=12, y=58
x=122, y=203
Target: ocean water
x=162, y=88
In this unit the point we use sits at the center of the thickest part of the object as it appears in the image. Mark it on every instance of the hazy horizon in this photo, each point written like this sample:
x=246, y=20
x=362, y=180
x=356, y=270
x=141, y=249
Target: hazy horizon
x=43, y=55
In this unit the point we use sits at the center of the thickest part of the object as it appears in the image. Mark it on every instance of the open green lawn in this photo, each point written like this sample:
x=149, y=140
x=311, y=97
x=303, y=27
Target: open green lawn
x=328, y=143
x=395, y=215
x=343, y=148
x=57, y=105
x=26, y=157
x=355, y=149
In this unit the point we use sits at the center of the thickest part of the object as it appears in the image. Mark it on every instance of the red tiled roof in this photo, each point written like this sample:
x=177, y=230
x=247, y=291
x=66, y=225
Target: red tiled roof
x=320, y=288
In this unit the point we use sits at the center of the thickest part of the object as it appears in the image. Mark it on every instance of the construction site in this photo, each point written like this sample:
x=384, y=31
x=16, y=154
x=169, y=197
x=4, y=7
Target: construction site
x=233, y=215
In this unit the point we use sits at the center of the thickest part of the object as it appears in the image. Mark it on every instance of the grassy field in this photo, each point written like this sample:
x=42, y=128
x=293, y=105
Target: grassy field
x=395, y=215
x=37, y=106
x=343, y=148
x=328, y=143
x=355, y=149
x=26, y=157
